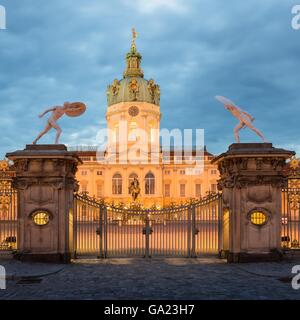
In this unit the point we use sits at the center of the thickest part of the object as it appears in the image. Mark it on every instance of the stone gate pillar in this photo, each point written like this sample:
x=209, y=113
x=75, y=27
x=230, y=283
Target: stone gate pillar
x=251, y=180
x=45, y=180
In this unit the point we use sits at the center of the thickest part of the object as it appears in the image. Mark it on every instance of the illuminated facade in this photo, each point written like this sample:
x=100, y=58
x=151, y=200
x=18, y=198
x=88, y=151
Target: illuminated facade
x=133, y=110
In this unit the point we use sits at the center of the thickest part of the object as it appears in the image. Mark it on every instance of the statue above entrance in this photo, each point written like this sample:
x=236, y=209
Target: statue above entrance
x=74, y=109
x=245, y=119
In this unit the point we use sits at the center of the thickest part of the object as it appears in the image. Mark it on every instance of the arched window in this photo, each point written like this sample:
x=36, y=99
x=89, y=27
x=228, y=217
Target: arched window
x=117, y=184
x=99, y=190
x=131, y=178
x=149, y=183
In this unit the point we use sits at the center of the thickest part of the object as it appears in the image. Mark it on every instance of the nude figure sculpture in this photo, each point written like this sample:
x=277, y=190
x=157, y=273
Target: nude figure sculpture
x=71, y=109
x=245, y=119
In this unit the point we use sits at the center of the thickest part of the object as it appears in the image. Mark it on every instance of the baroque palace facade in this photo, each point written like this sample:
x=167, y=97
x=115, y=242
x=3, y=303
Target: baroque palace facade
x=134, y=105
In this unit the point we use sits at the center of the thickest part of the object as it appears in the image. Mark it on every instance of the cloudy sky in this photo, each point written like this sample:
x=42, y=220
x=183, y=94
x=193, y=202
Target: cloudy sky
x=56, y=51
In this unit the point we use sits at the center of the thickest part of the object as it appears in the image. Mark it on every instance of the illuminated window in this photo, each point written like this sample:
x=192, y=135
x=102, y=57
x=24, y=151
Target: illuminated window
x=182, y=190
x=84, y=187
x=99, y=191
x=117, y=184
x=133, y=125
x=167, y=190
x=258, y=218
x=41, y=218
x=213, y=188
x=132, y=131
x=198, y=190
x=149, y=183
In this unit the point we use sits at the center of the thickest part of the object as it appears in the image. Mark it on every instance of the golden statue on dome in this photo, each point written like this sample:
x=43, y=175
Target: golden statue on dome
x=134, y=36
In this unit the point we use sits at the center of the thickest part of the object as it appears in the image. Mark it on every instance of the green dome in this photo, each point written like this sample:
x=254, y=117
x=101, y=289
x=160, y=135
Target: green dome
x=133, y=86
x=133, y=89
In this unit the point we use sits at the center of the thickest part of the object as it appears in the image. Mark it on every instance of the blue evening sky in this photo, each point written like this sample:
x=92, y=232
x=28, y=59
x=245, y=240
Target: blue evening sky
x=66, y=50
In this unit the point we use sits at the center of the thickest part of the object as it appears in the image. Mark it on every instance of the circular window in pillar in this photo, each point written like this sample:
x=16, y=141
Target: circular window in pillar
x=258, y=217
x=40, y=217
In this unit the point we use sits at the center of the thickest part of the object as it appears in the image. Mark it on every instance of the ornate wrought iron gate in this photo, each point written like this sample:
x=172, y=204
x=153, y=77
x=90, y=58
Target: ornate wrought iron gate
x=186, y=231
x=8, y=210
x=290, y=231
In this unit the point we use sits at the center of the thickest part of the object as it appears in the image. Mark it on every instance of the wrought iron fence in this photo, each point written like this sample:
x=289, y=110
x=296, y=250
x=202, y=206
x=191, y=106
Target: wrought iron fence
x=8, y=216
x=290, y=231
x=109, y=231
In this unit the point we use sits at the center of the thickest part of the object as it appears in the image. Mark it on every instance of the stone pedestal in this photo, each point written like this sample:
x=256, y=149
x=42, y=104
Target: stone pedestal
x=45, y=180
x=251, y=180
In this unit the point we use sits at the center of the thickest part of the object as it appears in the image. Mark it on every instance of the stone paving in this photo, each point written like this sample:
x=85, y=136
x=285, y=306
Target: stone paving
x=157, y=278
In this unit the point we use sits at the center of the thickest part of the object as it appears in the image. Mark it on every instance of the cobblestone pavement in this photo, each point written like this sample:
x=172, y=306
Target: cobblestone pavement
x=205, y=278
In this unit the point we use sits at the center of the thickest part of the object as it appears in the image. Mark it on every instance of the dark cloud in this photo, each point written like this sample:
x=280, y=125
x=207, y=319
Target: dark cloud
x=57, y=51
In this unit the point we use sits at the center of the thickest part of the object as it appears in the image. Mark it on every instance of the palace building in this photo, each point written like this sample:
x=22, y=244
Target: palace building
x=133, y=117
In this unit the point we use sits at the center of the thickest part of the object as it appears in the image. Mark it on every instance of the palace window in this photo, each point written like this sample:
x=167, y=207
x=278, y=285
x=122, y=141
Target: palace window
x=213, y=172
x=99, y=173
x=149, y=183
x=258, y=218
x=84, y=187
x=131, y=178
x=182, y=172
x=167, y=172
x=198, y=190
x=153, y=134
x=84, y=173
x=197, y=172
x=213, y=187
x=99, y=191
x=117, y=184
x=182, y=190
x=132, y=131
x=41, y=218
x=167, y=190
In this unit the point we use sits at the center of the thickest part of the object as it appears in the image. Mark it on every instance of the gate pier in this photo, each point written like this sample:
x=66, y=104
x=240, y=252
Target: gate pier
x=45, y=180
x=251, y=180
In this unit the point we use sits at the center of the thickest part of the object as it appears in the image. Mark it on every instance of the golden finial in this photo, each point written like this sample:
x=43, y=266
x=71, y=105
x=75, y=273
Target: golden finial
x=134, y=36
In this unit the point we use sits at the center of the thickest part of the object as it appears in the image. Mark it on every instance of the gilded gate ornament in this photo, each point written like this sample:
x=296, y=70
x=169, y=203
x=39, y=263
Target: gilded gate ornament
x=294, y=183
x=4, y=166
x=5, y=189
